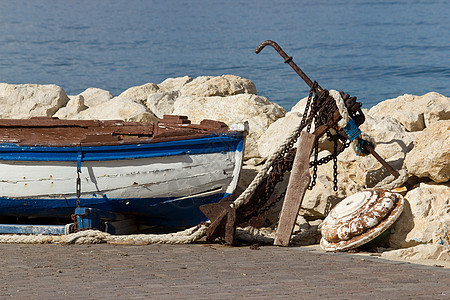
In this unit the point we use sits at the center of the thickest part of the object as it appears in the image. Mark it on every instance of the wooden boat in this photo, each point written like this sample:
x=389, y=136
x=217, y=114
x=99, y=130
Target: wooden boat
x=157, y=173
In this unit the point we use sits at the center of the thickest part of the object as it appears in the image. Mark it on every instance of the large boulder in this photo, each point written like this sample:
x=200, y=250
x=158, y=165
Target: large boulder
x=23, y=101
x=426, y=209
x=225, y=85
x=118, y=108
x=392, y=140
x=174, y=84
x=431, y=154
x=258, y=111
x=73, y=107
x=425, y=252
x=414, y=112
x=139, y=94
x=95, y=96
x=277, y=133
x=161, y=103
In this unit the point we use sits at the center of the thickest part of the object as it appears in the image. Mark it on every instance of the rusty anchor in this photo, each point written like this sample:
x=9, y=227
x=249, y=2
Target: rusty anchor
x=224, y=217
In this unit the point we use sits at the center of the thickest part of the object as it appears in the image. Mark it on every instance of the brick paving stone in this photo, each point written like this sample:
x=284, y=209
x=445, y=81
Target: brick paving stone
x=204, y=271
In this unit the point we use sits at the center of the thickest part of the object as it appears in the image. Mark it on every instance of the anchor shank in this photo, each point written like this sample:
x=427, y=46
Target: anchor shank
x=288, y=60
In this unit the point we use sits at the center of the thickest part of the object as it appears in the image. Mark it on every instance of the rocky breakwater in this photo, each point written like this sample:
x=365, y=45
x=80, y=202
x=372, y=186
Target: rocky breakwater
x=412, y=133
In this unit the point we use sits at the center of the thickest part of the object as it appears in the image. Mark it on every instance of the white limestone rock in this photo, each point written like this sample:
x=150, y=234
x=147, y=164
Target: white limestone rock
x=306, y=233
x=258, y=111
x=161, y=103
x=438, y=112
x=414, y=112
x=426, y=209
x=390, y=136
x=410, y=120
x=277, y=133
x=225, y=85
x=23, y=101
x=300, y=106
x=421, y=252
x=441, y=234
x=118, y=108
x=431, y=154
x=73, y=107
x=174, y=84
x=95, y=96
x=139, y=94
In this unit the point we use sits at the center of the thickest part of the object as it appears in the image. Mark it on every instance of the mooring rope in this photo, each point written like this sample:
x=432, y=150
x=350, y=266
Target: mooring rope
x=341, y=108
x=99, y=237
x=390, y=182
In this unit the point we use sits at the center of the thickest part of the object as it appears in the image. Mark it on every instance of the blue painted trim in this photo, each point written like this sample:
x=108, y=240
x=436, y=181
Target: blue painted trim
x=232, y=141
x=79, y=159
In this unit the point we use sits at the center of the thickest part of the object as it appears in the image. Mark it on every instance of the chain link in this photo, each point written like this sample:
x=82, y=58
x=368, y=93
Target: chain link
x=314, y=175
x=335, y=174
x=78, y=188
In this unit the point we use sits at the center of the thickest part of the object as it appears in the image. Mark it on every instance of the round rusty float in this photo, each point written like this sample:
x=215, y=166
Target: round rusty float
x=359, y=219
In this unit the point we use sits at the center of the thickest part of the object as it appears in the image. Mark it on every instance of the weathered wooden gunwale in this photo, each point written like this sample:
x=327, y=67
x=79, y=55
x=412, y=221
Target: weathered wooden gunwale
x=47, y=131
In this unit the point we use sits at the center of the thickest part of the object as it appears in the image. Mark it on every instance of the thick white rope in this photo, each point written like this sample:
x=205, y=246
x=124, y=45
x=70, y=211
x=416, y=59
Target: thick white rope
x=346, y=118
x=390, y=183
x=99, y=237
x=341, y=107
x=187, y=236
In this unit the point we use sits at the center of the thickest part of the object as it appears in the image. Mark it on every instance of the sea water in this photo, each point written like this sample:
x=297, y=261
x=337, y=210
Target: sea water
x=374, y=50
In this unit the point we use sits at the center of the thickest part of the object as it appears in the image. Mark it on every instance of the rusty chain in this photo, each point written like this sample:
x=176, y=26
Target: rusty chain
x=319, y=109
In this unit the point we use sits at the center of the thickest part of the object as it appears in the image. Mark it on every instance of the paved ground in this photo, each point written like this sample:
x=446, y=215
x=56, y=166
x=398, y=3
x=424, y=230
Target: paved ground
x=209, y=271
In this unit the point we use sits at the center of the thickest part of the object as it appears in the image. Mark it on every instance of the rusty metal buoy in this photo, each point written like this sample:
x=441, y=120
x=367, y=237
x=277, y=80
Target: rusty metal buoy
x=360, y=218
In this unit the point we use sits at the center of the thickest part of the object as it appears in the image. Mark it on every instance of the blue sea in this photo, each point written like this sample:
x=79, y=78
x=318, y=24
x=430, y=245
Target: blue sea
x=374, y=50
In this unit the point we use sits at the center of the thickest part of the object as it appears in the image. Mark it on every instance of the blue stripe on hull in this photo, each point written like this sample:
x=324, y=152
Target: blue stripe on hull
x=154, y=211
x=232, y=141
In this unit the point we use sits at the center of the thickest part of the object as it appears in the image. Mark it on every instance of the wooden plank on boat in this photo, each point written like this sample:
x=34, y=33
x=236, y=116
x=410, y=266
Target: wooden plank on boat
x=146, y=130
x=53, y=132
x=213, y=124
x=100, y=138
x=174, y=119
x=298, y=183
